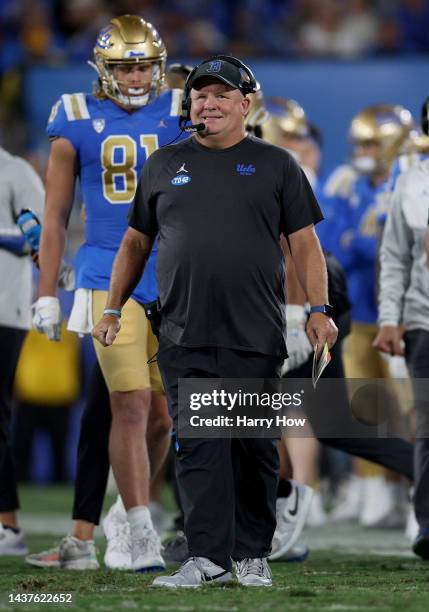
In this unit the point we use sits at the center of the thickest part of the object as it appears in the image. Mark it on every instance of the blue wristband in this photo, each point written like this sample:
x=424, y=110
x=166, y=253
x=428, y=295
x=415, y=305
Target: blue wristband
x=112, y=311
x=325, y=309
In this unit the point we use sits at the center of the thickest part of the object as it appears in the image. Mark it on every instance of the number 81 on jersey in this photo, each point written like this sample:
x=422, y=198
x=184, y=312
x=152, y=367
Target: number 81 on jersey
x=119, y=161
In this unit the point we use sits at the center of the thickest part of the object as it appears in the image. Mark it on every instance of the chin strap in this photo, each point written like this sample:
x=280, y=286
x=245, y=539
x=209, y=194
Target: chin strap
x=94, y=66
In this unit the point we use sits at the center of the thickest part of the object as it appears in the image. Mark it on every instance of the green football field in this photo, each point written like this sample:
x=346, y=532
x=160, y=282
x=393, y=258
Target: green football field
x=349, y=569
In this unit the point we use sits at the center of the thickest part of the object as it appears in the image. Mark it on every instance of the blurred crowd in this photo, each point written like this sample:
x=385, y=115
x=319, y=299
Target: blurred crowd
x=58, y=30
x=62, y=33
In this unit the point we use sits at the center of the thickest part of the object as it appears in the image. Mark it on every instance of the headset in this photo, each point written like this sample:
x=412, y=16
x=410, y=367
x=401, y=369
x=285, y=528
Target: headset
x=247, y=85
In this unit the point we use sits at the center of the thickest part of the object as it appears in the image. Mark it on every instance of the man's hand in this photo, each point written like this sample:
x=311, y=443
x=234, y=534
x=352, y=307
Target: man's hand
x=107, y=329
x=389, y=340
x=298, y=345
x=321, y=329
x=47, y=317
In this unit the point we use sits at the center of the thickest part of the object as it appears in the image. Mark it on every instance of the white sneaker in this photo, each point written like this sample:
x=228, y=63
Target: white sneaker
x=117, y=531
x=12, y=542
x=396, y=516
x=253, y=572
x=297, y=554
x=146, y=551
x=291, y=513
x=381, y=504
x=348, y=501
x=316, y=515
x=193, y=573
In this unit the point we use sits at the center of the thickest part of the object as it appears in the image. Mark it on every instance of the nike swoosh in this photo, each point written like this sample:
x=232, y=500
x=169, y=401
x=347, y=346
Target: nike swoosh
x=294, y=510
x=208, y=578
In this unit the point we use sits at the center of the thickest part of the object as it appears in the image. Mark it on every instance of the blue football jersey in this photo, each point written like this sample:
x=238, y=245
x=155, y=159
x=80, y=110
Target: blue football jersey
x=360, y=238
x=112, y=146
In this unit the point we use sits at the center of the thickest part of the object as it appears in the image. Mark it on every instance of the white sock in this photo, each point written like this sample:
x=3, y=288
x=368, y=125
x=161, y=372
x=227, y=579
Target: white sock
x=139, y=518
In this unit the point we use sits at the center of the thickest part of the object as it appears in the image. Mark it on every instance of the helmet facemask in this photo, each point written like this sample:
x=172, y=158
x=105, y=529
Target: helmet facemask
x=385, y=126
x=112, y=87
x=368, y=163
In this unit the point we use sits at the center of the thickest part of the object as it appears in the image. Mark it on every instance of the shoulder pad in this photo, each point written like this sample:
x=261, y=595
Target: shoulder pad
x=311, y=175
x=75, y=106
x=339, y=183
x=176, y=102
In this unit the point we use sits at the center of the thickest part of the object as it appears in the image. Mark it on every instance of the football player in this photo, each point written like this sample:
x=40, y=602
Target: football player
x=377, y=134
x=104, y=138
x=288, y=127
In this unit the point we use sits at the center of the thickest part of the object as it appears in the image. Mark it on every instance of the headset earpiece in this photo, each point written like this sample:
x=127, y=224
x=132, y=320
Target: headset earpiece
x=186, y=100
x=186, y=107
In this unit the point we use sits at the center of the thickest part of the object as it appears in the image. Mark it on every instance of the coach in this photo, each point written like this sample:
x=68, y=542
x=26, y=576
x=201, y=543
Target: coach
x=219, y=203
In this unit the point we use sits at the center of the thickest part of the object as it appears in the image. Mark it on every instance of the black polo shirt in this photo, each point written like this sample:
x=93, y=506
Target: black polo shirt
x=219, y=215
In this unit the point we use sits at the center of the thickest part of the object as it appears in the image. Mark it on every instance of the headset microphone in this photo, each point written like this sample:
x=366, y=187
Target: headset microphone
x=197, y=127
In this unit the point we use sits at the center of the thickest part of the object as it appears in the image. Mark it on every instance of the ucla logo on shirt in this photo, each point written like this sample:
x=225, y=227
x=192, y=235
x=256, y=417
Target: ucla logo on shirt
x=246, y=170
x=182, y=179
x=98, y=125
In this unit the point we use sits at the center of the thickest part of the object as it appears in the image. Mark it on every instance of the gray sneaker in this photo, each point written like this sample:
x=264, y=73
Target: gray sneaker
x=77, y=554
x=71, y=553
x=46, y=558
x=253, y=572
x=193, y=573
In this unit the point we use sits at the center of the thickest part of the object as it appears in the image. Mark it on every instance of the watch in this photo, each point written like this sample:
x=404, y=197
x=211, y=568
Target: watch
x=325, y=309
